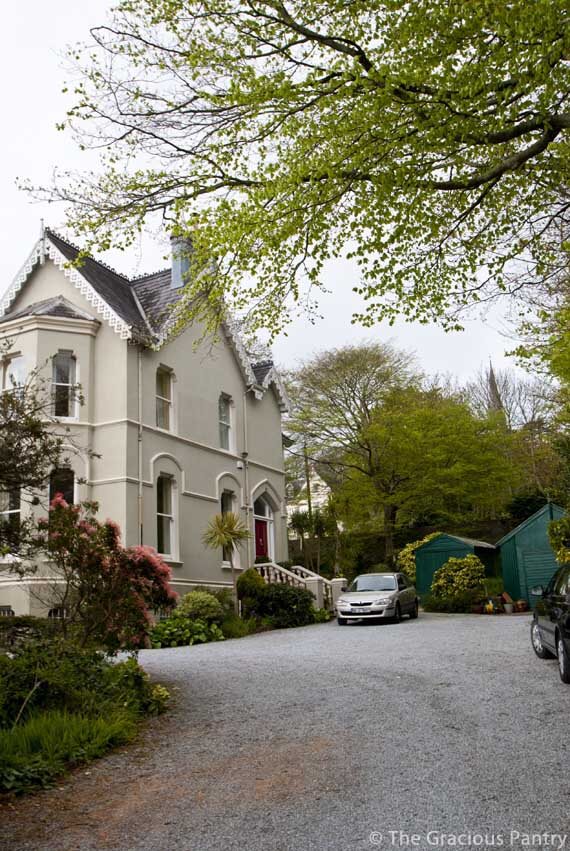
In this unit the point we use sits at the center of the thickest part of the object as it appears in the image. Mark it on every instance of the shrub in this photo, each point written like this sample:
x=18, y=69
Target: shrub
x=458, y=575
x=225, y=598
x=284, y=605
x=201, y=605
x=181, y=631
x=461, y=602
x=321, y=615
x=406, y=558
x=44, y=676
x=235, y=627
x=249, y=583
x=559, y=535
x=107, y=589
x=46, y=744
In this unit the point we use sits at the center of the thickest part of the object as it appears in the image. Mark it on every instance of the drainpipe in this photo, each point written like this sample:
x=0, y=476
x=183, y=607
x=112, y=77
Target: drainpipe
x=245, y=456
x=140, y=444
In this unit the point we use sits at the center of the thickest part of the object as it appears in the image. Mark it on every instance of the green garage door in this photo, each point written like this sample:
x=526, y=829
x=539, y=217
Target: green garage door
x=538, y=567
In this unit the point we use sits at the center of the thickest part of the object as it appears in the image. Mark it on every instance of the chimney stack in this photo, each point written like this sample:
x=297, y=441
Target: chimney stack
x=181, y=248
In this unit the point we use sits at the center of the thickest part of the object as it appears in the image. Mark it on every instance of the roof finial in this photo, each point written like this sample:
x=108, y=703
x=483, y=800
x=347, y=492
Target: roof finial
x=42, y=241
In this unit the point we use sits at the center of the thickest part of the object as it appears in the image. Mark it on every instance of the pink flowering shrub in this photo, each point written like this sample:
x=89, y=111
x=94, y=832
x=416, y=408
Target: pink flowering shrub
x=106, y=590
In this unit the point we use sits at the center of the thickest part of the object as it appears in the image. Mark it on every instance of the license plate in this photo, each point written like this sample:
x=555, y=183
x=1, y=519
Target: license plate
x=357, y=611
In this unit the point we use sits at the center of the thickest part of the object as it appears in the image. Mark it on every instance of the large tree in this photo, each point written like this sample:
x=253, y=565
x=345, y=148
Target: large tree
x=427, y=140
x=391, y=450
x=431, y=460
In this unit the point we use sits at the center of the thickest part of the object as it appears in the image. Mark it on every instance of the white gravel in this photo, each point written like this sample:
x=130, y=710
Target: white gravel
x=316, y=738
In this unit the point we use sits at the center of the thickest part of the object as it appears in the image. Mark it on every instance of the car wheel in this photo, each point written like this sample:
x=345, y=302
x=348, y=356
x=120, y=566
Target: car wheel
x=536, y=640
x=397, y=614
x=563, y=661
x=341, y=621
x=414, y=612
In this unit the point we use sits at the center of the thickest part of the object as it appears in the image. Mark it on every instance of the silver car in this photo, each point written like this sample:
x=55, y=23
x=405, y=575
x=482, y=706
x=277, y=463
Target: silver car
x=377, y=595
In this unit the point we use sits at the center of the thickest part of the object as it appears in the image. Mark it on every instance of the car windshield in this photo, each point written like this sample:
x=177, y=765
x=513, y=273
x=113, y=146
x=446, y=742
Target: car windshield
x=374, y=582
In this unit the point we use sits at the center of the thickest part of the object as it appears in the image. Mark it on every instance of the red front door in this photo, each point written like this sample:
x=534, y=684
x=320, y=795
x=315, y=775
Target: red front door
x=261, y=542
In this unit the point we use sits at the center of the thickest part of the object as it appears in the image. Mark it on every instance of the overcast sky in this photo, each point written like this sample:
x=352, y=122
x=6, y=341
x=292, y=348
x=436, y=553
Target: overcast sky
x=35, y=36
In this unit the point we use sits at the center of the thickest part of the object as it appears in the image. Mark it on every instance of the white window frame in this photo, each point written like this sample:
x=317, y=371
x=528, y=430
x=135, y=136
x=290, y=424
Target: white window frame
x=6, y=514
x=71, y=385
x=226, y=423
x=233, y=506
x=6, y=362
x=172, y=517
x=165, y=370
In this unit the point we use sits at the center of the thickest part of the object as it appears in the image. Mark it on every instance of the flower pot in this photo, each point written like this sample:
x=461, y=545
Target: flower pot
x=509, y=608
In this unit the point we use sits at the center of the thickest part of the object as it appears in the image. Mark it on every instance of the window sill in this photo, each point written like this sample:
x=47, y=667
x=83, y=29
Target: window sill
x=225, y=565
x=174, y=562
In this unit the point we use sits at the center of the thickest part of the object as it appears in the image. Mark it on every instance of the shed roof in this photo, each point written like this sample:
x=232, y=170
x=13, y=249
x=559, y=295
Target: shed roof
x=550, y=507
x=471, y=542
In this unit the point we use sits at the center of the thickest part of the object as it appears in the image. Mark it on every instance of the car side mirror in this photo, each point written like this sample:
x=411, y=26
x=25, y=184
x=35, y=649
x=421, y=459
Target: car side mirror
x=537, y=591
x=344, y=588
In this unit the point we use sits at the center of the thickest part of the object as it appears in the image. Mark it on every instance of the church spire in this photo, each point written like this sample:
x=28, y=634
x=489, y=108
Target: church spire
x=495, y=401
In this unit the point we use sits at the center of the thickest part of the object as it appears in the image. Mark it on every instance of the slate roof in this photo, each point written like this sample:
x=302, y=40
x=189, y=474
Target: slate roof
x=57, y=306
x=137, y=308
x=471, y=542
x=261, y=370
x=113, y=288
x=155, y=296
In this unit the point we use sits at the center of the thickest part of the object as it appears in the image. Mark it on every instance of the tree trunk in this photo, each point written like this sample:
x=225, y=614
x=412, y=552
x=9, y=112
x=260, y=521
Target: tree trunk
x=234, y=582
x=390, y=512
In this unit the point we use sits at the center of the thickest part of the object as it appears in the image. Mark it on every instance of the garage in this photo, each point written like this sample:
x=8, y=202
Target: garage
x=527, y=559
x=433, y=554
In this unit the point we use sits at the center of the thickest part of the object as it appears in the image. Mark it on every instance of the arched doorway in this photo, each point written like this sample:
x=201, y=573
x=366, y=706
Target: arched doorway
x=263, y=519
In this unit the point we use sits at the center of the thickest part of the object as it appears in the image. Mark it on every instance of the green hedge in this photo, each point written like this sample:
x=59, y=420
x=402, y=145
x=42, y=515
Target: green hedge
x=60, y=705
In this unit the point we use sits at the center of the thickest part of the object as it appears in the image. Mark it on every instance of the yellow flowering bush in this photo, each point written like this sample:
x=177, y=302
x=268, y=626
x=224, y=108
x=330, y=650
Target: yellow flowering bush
x=559, y=535
x=406, y=558
x=457, y=576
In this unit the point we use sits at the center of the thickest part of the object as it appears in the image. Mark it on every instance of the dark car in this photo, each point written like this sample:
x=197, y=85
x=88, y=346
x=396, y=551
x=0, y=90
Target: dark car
x=550, y=628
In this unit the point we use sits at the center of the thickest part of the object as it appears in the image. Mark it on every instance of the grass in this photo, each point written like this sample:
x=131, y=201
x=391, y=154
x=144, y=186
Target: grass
x=41, y=748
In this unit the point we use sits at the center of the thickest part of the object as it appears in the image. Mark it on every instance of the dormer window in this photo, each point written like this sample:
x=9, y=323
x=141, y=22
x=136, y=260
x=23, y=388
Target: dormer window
x=225, y=420
x=164, y=398
x=64, y=385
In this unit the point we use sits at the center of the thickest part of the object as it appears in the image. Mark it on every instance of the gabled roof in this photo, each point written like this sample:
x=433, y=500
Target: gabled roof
x=550, y=507
x=56, y=306
x=138, y=309
x=470, y=542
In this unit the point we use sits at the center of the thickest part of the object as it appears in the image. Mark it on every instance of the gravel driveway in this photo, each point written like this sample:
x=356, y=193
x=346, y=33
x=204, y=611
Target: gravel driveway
x=316, y=738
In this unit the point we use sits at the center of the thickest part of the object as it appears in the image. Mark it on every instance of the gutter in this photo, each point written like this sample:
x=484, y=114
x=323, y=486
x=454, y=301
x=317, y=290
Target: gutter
x=140, y=445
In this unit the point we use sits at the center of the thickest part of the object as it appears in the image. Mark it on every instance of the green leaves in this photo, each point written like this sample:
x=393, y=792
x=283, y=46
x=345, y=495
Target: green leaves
x=421, y=141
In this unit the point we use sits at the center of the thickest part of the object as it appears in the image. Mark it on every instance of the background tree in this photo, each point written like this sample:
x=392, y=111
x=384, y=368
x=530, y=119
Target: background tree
x=427, y=141
x=227, y=532
x=429, y=458
x=392, y=451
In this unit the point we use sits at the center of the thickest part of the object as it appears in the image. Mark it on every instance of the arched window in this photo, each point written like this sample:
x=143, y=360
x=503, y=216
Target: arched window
x=225, y=420
x=62, y=480
x=164, y=398
x=164, y=515
x=64, y=385
x=227, y=506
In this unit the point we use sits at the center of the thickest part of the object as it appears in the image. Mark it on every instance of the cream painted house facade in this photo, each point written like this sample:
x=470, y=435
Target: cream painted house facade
x=181, y=429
